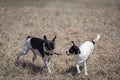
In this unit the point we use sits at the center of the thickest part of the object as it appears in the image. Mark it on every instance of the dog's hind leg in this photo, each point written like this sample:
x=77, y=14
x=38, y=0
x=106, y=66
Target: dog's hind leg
x=24, y=50
x=34, y=57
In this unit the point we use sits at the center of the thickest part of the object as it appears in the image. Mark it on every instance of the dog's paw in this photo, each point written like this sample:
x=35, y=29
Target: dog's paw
x=86, y=74
x=49, y=72
x=79, y=72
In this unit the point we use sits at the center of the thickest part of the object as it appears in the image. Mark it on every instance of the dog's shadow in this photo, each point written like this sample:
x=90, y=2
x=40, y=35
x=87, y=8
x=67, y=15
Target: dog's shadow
x=33, y=69
x=73, y=70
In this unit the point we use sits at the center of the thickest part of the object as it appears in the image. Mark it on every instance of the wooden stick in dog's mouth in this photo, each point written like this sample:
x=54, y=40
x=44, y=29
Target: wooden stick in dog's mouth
x=57, y=53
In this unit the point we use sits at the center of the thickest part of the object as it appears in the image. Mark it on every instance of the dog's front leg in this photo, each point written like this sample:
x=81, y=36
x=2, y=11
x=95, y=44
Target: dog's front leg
x=46, y=64
x=49, y=60
x=48, y=68
x=85, y=66
x=78, y=69
x=78, y=63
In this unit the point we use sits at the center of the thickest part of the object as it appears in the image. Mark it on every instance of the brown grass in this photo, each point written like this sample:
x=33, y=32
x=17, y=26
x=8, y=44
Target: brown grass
x=77, y=20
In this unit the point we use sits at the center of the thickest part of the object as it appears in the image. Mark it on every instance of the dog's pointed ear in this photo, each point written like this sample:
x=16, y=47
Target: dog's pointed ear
x=45, y=38
x=73, y=42
x=54, y=38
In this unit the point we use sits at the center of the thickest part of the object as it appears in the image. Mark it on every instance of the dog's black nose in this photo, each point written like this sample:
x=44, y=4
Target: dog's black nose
x=67, y=53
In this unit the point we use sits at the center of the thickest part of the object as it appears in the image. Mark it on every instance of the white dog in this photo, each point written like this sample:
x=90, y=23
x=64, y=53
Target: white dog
x=83, y=52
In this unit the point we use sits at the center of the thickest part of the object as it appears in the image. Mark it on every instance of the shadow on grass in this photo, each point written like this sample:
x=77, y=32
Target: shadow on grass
x=73, y=70
x=33, y=69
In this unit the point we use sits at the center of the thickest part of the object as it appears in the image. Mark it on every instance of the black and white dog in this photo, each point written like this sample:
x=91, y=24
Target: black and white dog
x=42, y=47
x=82, y=53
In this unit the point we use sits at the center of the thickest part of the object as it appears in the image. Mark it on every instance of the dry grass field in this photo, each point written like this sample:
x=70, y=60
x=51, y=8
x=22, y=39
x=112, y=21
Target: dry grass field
x=77, y=20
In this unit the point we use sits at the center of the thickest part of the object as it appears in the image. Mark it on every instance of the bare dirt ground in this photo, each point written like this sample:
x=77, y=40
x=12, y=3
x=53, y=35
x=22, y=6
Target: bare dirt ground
x=77, y=20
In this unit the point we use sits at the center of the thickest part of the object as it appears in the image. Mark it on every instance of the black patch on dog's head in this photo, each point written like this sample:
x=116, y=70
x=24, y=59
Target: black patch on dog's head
x=49, y=46
x=73, y=49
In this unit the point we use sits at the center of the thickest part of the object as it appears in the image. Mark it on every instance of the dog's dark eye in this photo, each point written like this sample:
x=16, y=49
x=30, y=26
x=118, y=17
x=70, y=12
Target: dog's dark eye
x=76, y=47
x=71, y=51
x=46, y=44
x=52, y=46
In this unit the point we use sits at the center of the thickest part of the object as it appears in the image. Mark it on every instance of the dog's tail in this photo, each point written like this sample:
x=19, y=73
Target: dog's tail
x=96, y=39
x=28, y=37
